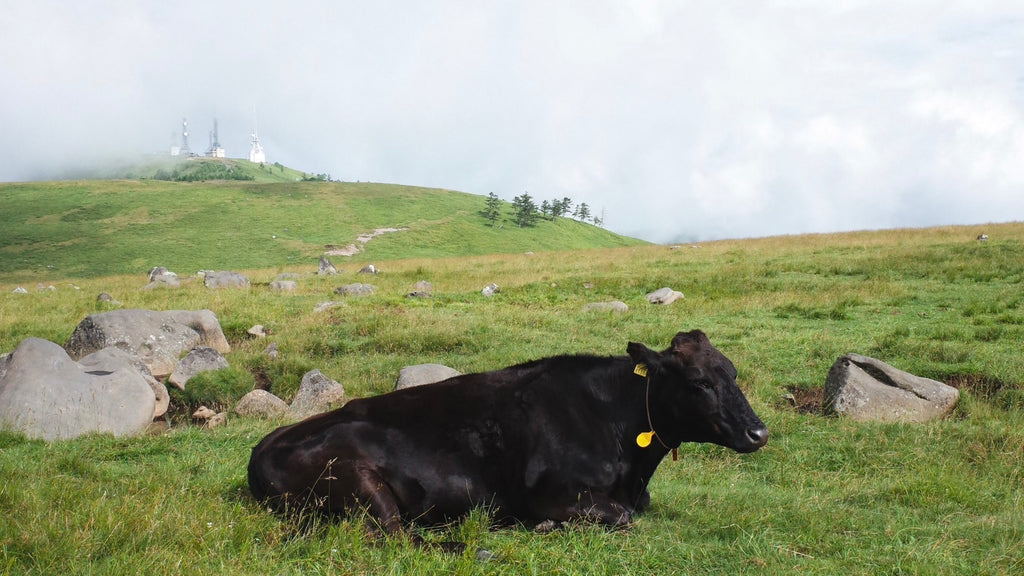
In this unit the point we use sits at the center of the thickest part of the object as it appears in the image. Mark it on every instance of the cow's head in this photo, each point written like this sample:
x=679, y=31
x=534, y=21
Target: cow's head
x=694, y=387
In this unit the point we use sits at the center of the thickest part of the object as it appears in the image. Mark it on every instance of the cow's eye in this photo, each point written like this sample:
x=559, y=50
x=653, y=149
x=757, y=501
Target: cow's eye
x=704, y=383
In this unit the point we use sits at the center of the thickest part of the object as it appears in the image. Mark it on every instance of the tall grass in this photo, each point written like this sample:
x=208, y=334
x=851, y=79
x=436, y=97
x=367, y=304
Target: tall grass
x=824, y=496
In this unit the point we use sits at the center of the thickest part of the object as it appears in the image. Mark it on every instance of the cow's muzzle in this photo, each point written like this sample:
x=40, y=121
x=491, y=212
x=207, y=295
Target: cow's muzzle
x=755, y=439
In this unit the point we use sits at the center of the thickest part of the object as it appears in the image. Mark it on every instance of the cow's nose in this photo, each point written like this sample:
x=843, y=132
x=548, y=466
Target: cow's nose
x=758, y=436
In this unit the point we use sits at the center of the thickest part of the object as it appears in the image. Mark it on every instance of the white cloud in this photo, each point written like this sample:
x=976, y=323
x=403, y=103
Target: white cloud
x=682, y=121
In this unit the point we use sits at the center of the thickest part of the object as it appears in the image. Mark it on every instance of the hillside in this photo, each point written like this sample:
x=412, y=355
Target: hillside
x=89, y=228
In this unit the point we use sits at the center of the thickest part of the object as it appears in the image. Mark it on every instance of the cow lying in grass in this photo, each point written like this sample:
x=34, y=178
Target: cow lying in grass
x=568, y=438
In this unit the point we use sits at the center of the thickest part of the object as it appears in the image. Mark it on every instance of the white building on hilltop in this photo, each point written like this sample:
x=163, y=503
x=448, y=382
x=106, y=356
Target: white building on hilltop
x=256, y=154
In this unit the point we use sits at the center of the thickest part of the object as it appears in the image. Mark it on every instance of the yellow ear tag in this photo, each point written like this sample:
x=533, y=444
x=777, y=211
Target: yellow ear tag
x=643, y=439
x=641, y=370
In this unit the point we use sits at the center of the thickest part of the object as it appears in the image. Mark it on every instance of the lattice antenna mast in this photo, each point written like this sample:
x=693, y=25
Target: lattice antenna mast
x=184, y=138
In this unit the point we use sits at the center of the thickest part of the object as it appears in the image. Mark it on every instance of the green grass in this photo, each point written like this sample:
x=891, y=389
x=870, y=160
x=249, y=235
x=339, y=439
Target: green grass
x=90, y=228
x=825, y=496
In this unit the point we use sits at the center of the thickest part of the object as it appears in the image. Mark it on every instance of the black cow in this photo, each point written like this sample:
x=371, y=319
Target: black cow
x=558, y=439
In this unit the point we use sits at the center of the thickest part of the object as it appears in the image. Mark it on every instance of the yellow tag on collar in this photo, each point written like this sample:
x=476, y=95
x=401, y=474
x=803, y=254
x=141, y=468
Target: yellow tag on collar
x=641, y=370
x=643, y=439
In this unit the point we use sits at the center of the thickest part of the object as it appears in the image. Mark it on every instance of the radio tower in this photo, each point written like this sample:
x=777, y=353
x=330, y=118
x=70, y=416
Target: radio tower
x=214, y=151
x=184, y=138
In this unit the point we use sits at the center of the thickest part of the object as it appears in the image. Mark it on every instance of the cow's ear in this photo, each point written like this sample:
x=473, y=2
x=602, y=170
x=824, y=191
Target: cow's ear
x=642, y=354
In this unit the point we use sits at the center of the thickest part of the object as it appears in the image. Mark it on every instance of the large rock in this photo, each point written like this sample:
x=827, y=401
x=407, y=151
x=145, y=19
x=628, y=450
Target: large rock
x=664, y=296
x=199, y=359
x=262, y=404
x=158, y=338
x=316, y=394
x=225, y=280
x=284, y=285
x=863, y=388
x=45, y=394
x=103, y=359
x=421, y=374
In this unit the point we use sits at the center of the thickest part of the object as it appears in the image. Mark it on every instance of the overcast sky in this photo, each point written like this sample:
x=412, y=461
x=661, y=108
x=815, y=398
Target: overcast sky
x=680, y=120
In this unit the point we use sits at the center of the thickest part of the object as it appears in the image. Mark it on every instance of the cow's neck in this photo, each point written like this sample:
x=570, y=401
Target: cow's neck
x=658, y=435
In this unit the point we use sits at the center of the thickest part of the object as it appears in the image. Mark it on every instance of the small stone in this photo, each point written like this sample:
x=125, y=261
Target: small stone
x=203, y=413
x=257, y=331
x=271, y=351
x=20, y=290
x=217, y=420
x=284, y=286
x=490, y=290
x=369, y=269
x=325, y=267
x=664, y=296
x=261, y=403
x=354, y=290
x=325, y=306
x=421, y=374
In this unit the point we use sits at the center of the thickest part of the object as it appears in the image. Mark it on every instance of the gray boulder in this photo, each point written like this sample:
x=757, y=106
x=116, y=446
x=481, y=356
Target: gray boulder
x=664, y=296
x=490, y=290
x=262, y=404
x=316, y=394
x=45, y=394
x=613, y=306
x=103, y=359
x=354, y=289
x=160, y=277
x=199, y=359
x=158, y=338
x=284, y=285
x=225, y=280
x=421, y=289
x=421, y=374
x=325, y=268
x=368, y=269
x=862, y=388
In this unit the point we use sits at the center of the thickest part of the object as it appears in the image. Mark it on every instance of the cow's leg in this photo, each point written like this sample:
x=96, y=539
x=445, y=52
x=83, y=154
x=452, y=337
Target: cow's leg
x=587, y=507
x=376, y=498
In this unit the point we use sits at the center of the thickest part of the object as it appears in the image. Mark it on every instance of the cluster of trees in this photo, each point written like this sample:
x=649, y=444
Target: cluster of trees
x=525, y=211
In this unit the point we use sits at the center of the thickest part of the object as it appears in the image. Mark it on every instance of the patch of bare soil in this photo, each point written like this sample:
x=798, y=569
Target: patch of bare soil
x=977, y=384
x=806, y=400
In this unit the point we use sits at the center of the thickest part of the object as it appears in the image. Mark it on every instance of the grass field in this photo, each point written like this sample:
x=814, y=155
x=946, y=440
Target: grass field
x=825, y=496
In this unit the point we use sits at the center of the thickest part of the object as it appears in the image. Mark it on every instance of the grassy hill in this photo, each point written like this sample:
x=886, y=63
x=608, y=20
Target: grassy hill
x=825, y=496
x=88, y=228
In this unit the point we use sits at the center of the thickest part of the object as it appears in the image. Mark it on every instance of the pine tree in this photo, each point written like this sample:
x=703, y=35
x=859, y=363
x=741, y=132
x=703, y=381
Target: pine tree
x=582, y=212
x=492, y=211
x=525, y=210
